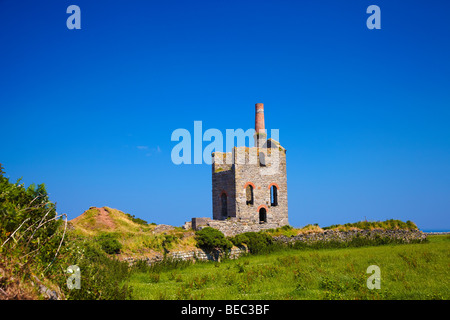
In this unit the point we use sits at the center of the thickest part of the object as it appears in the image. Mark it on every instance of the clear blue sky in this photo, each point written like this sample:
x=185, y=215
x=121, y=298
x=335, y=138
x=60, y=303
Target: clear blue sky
x=364, y=114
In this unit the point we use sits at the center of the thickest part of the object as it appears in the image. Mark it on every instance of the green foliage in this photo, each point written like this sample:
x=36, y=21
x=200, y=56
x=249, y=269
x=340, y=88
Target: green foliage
x=366, y=225
x=169, y=240
x=29, y=226
x=162, y=241
x=102, y=278
x=160, y=266
x=409, y=272
x=212, y=239
x=39, y=250
x=154, y=277
x=286, y=230
x=136, y=220
x=29, y=212
x=256, y=242
x=109, y=243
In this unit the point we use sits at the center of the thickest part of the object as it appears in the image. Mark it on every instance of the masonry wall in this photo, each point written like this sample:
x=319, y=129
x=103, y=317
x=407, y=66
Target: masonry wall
x=234, y=226
x=403, y=236
x=196, y=254
x=259, y=167
x=261, y=178
x=222, y=182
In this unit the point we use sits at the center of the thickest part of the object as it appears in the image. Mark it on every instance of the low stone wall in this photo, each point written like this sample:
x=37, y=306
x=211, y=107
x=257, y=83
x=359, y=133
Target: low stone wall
x=404, y=236
x=196, y=254
x=199, y=254
x=232, y=226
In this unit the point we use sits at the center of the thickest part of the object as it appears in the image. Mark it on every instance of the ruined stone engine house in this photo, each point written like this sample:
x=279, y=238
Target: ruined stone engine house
x=249, y=186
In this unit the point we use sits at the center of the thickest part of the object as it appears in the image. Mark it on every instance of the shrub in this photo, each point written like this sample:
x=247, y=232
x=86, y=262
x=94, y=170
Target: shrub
x=102, y=278
x=136, y=220
x=28, y=214
x=257, y=242
x=168, y=240
x=109, y=243
x=43, y=249
x=31, y=236
x=212, y=239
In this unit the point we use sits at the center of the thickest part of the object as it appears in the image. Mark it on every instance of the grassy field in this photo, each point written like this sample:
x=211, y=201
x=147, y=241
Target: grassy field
x=409, y=271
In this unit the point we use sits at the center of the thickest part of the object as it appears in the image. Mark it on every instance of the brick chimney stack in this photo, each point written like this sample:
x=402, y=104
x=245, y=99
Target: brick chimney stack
x=260, y=133
x=259, y=117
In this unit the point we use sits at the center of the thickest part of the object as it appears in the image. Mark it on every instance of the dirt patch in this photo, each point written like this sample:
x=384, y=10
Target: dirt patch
x=100, y=220
x=104, y=219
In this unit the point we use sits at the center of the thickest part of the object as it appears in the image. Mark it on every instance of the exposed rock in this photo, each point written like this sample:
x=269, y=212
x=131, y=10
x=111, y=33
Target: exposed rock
x=187, y=225
x=162, y=228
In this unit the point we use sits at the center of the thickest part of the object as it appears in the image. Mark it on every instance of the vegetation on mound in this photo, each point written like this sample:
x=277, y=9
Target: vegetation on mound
x=391, y=224
x=109, y=243
x=290, y=231
x=135, y=237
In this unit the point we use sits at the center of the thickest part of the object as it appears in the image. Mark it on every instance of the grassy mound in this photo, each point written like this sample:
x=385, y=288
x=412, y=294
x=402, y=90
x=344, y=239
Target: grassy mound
x=124, y=235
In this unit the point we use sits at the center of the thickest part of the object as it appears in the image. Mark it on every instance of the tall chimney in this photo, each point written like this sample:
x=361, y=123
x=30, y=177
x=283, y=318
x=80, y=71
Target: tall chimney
x=259, y=117
x=260, y=133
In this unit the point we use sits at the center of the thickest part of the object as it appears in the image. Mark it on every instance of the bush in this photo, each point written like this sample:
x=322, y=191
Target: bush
x=29, y=213
x=168, y=240
x=136, y=220
x=257, y=242
x=102, y=278
x=31, y=237
x=212, y=239
x=109, y=243
x=43, y=249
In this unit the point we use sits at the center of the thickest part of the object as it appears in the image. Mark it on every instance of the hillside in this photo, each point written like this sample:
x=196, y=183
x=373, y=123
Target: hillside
x=138, y=238
x=97, y=220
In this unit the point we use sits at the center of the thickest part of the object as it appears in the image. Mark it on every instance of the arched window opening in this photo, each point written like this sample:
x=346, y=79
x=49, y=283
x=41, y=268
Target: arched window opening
x=223, y=200
x=262, y=215
x=249, y=195
x=273, y=196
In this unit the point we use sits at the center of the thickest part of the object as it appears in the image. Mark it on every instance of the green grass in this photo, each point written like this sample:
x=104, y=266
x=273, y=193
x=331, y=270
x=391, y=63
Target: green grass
x=408, y=271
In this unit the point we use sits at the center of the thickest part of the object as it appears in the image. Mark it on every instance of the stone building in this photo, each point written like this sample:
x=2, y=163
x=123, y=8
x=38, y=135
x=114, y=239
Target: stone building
x=249, y=185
